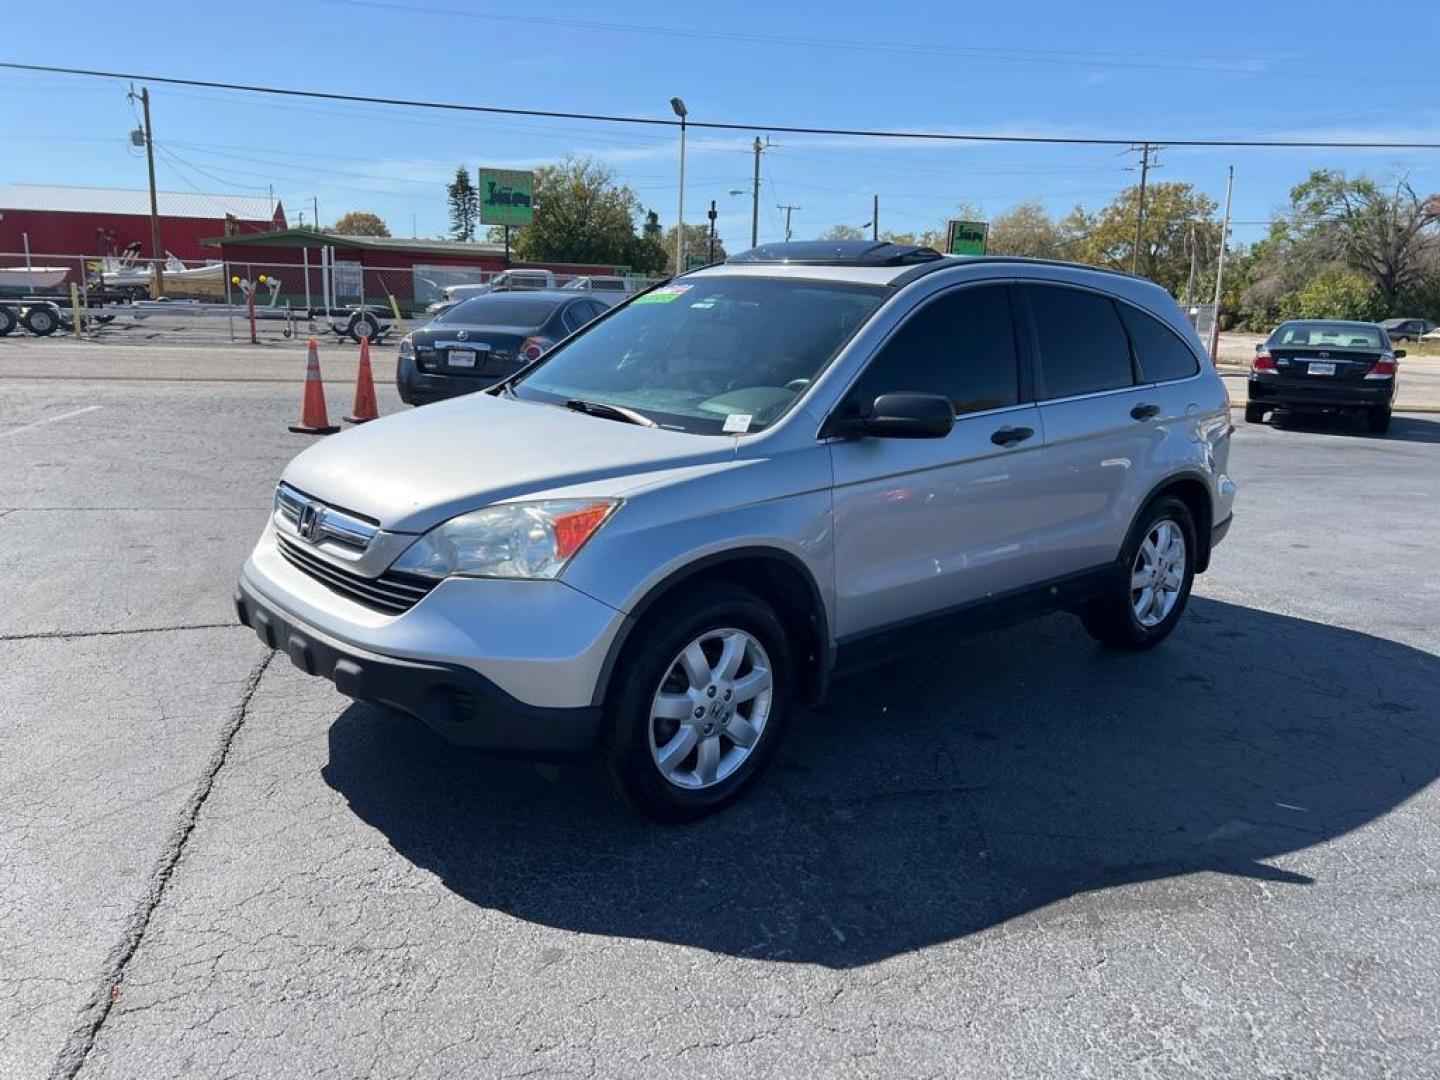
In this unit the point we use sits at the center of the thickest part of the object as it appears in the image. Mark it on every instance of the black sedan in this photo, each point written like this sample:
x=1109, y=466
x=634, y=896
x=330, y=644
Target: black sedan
x=1407, y=329
x=480, y=341
x=1313, y=365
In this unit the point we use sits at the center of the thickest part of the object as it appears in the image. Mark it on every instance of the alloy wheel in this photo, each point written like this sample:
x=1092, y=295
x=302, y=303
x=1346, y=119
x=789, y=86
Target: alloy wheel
x=1158, y=573
x=709, y=713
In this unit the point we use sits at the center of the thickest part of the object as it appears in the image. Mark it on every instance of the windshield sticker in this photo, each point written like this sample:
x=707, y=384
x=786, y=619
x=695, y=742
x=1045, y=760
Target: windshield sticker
x=737, y=423
x=664, y=295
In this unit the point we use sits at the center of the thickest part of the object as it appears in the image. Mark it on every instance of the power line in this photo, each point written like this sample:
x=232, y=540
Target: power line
x=605, y=118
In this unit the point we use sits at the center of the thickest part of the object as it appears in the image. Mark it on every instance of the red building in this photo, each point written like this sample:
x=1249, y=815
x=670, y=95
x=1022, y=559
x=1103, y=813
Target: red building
x=370, y=267
x=71, y=221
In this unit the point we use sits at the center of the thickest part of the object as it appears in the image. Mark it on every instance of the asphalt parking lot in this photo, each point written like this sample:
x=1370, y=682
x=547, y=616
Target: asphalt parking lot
x=1015, y=856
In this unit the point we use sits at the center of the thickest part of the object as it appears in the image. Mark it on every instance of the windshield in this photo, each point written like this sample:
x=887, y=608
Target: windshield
x=496, y=309
x=1328, y=335
x=710, y=355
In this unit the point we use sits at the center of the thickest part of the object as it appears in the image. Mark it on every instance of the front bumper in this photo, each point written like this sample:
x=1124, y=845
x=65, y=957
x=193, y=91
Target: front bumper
x=1300, y=395
x=457, y=702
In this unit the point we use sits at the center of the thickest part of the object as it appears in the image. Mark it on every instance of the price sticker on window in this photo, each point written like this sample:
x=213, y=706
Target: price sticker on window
x=737, y=423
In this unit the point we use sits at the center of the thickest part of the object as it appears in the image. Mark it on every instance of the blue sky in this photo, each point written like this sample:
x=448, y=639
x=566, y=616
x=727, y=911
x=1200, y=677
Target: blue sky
x=1129, y=70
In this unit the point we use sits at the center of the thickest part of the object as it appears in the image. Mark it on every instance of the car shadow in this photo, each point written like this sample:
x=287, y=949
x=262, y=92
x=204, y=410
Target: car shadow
x=938, y=798
x=1415, y=429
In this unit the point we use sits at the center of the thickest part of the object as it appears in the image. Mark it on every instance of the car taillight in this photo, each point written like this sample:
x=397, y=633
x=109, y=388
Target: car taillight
x=1381, y=369
x=1263, y=362
x=534, y=348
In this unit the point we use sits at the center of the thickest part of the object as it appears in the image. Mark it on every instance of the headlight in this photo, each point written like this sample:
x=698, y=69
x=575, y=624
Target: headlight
x=510, y=540
x=407, y=347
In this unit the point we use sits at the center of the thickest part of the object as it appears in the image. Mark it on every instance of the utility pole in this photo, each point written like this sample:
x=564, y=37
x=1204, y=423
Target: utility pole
x=1190, y=285
x=712, y=215
x=788, y=211
x=1145, y=149
x=155, y=248
x=755, y=194
x=875, y=218
x=1220, y=267
x=315, y=205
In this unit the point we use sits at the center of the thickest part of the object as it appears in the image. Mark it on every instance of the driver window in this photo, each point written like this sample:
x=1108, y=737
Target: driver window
x=961, y=345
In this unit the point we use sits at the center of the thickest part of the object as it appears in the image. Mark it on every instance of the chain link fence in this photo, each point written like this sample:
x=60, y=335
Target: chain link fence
x=114, y=299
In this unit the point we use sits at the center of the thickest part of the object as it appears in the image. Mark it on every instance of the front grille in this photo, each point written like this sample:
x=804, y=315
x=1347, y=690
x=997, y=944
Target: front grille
x=391, y=593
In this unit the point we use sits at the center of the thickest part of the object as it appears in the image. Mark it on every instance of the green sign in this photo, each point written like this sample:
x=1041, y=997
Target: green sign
x=966, y=238
x=506, y=197
x=695, y=262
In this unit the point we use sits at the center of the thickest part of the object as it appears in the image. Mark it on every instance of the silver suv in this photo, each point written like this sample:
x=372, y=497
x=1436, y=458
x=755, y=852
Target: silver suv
x=662, y=538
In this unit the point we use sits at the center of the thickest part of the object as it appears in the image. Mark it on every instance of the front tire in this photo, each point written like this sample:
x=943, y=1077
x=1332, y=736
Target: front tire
x=1152, y=587
x=699, y=706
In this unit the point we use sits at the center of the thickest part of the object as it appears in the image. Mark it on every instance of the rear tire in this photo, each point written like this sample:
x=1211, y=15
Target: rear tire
x=1378, y=421
x=1152, y=583
x=41, y=320
x=1254, y=414
x=680, y=767
x=8, y=320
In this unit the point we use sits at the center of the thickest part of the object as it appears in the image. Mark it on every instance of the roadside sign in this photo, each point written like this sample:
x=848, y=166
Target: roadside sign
x=695, y=262
x=966, y=238
x=506, y=197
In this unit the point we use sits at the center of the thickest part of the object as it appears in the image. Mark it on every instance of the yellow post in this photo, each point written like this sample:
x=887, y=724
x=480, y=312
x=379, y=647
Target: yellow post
x=395, y=308
x=75, y=307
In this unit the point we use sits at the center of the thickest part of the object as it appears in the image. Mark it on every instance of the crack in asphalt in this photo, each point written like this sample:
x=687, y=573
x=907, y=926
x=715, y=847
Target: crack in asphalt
x=66, y=635
x=107, y=990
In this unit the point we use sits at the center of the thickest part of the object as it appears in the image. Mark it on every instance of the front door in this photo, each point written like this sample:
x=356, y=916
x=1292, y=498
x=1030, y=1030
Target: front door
x=922, y=525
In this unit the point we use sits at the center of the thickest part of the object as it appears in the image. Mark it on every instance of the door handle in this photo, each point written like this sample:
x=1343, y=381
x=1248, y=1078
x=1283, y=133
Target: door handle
x=1009, y=436
x=1145, y=412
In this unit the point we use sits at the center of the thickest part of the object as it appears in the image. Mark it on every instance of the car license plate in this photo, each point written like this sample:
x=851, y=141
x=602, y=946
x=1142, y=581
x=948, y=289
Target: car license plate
x=466, y=358
x=1314, y=369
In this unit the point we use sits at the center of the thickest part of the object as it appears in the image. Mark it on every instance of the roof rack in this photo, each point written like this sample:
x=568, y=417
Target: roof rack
x=838, y=253
x=951, y=262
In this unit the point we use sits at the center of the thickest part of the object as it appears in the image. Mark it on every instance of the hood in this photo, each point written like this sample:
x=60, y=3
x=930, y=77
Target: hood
x=412, y=470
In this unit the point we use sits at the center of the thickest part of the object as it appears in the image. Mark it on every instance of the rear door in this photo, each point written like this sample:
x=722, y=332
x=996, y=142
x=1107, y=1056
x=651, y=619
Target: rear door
x=927, y=524
x=1100, y=430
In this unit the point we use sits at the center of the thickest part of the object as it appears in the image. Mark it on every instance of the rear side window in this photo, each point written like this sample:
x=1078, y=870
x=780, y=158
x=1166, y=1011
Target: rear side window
x=1161, y=354
x=1083, y=348
x=576, y=316
x=961, y=345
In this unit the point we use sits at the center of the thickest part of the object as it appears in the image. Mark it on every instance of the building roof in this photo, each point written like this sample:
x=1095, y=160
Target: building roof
x=93, y=200
x=294, y=238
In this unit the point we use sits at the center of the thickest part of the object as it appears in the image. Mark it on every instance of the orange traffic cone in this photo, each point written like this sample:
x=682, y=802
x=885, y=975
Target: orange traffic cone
x=364, y=407
x=313, y=420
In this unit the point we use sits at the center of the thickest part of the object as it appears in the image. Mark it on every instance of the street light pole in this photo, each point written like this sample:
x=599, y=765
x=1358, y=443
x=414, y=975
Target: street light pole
x=682, y=113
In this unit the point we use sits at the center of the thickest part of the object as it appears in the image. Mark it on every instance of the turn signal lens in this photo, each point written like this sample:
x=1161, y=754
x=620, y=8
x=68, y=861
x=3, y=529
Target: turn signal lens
x=1263, y=362
x=572, y=529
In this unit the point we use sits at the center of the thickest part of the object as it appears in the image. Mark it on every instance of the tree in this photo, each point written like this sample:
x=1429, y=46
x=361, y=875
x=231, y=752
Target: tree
x=464, y=205
x=697, y=242
x=360, y=223
x=843, y=232
x=1027, y=229
x=1176, y=215
x=582, y=215
x=653, y=229
x=1388, y=235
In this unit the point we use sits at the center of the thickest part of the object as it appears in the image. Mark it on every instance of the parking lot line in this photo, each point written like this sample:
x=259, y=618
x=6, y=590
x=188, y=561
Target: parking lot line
x=51, y=419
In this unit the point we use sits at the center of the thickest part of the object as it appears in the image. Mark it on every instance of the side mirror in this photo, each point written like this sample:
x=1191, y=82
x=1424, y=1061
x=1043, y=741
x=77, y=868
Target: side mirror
x=1260, y=346
x=909, y=416
x=1399, y=354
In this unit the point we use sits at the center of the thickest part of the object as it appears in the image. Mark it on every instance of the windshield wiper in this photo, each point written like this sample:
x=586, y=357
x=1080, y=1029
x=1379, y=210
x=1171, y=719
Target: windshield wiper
x=610, y=412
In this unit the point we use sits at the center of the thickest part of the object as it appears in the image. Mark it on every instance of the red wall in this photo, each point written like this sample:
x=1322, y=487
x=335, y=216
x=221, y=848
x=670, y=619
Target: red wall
x=77, y=234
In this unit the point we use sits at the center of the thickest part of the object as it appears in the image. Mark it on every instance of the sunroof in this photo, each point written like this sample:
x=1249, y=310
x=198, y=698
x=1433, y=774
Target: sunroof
x=838, y=253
